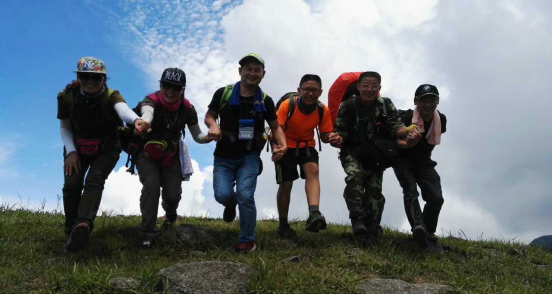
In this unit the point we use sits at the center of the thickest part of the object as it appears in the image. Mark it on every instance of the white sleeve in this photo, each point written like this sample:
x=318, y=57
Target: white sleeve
x=66, y=132
x=196, y=133
x=125, y=113
x=147, y=113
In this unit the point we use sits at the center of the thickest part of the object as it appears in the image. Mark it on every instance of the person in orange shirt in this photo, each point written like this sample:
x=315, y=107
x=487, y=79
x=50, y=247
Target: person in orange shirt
x=299, y=130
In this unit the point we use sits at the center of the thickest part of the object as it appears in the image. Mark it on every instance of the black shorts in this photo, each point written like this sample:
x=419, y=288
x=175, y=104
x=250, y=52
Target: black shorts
x=286, y=168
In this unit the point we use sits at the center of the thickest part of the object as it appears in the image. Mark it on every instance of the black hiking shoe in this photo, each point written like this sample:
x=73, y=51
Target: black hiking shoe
x=420, y=236
x=230, y=211
x=286, y=232
x=359, y=228
x=432, y=237
x=79, y=238
x=316, y=222
x=364, y=240
x=171, y=218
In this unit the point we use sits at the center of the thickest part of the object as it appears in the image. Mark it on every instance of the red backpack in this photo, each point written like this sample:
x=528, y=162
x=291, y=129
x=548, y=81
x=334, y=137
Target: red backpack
x=344, y=87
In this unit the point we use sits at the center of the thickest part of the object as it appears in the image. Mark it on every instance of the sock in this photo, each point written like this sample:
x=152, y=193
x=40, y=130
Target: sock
x=313, y=209
x=283, y=221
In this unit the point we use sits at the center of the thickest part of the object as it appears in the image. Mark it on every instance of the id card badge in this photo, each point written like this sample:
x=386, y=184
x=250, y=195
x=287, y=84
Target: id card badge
x=247, y=128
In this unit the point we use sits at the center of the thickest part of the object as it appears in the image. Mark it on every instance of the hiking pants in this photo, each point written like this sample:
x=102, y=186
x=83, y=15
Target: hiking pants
x=241, y=172
x=82, y=192
x=422, y=173
x=155, y=177
x=363, y=193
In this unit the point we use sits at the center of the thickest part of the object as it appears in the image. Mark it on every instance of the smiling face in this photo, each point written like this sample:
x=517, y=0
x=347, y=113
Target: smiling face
x=427, y=105
x=91, y=83
x=310, y=91
x=251, y=73
x=369, y=88
x=171, y=93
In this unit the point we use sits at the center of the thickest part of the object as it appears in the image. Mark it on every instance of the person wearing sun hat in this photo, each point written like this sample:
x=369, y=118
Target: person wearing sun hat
x=416, y=168
x=90, y=114
x=163, y=161
x=243, y=109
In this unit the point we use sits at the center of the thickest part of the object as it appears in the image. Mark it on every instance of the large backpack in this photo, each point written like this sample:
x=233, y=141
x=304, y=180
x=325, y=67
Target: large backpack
x=292, y=96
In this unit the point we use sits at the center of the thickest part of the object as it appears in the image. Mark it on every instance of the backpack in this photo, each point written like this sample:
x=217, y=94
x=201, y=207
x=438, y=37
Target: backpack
x=342, y=89
x=292, y=105
x=227, y=93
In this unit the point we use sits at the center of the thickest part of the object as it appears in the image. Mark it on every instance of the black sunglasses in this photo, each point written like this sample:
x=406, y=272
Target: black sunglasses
x=91, y=77
x=168, y=86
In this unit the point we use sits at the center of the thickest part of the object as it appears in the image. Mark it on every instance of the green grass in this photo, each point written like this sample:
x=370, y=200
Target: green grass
x=32, y=259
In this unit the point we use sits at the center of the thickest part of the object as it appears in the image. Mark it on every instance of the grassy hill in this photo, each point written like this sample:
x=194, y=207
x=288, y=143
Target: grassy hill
x=32, y=259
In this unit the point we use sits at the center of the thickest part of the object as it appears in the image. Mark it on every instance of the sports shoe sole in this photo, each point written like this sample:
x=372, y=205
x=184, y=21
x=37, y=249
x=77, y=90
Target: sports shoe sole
x=318, y=224
x=420, y=236
x=79, y=238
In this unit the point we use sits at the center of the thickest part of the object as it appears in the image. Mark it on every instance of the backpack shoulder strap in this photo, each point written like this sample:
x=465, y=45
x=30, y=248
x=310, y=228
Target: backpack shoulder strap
x=226, y=94
x=291, y=109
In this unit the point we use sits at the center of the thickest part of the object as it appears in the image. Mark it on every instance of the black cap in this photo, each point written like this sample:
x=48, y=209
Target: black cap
x=174, y=76
x=426, y=89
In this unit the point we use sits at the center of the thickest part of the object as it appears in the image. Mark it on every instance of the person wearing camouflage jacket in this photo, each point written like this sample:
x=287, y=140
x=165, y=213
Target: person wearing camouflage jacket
x=359, y=120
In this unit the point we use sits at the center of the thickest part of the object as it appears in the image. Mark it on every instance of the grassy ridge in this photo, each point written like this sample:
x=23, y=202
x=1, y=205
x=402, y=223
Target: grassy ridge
x=32, y=259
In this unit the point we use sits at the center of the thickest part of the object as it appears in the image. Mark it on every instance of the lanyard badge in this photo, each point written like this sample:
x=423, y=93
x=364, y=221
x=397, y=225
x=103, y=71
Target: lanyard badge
x=247, y=128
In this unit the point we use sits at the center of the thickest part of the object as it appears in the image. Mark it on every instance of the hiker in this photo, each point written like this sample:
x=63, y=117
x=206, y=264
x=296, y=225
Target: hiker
x=90, y=114
x=415, y=166
x=164, y=161
x=299, y=113
x=361, y=121
x=242, y=109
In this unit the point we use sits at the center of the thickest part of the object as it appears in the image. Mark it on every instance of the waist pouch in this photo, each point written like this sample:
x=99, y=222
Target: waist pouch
x=90, y=146
x=170, y=152
x=155, y=149
x=378, y=154
x=161, y=151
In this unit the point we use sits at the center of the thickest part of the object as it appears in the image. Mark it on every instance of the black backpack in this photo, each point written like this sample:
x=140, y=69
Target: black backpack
x=292, y=105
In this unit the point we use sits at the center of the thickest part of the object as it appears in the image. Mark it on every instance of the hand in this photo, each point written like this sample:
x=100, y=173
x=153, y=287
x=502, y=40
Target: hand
x=335, y=140
x=413, y=137
x=278, y=152
x=214, y=133
x=72, y=161
x=73, y=85
x=141, y=126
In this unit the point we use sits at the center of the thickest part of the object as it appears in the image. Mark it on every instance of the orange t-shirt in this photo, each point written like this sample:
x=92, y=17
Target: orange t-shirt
x=301, y=126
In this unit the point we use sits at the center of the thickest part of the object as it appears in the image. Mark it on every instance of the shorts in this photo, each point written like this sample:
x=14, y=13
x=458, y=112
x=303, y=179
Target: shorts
x=286, y=168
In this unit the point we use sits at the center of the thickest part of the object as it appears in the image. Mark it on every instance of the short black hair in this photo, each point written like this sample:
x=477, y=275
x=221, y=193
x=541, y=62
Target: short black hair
x=310, y=77
x=370, y=75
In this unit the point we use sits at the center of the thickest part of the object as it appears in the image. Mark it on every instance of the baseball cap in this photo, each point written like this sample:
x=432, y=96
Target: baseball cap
x=174, y=76
x=426, y=89
x=91, y=65
x=252, y=56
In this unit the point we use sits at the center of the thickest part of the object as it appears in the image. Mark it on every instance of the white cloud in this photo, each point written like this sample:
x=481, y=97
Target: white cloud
x=409, y=43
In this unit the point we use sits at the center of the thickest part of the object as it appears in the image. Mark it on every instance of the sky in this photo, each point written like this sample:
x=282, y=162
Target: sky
x=489, y=59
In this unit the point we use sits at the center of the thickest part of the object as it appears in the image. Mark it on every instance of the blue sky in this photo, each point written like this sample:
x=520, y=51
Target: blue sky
x=489, y=59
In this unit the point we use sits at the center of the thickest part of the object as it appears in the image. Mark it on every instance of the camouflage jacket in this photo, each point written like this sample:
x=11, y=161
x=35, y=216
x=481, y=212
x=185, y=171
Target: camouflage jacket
x=358, y=123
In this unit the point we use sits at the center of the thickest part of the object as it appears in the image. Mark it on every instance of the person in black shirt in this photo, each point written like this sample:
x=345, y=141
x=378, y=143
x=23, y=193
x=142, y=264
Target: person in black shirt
x=415, y=166
x=243, y=108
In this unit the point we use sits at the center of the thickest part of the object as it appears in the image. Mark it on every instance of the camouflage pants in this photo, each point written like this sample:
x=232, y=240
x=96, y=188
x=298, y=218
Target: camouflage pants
x=363, y=192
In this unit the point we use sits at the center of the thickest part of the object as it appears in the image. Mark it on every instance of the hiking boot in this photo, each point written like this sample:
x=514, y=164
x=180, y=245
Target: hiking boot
x=363, y=240
x=432, y=237
x=245, y=247
x=316, y=222
x=79, y=238
x=420, y=236
x=169, y=222
x=358, y=227
x=286, y=232
x=230, y=211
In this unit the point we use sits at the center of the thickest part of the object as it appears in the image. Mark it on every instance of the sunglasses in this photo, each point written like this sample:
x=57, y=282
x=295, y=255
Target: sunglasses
x=96, y=78
x=168, y=86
